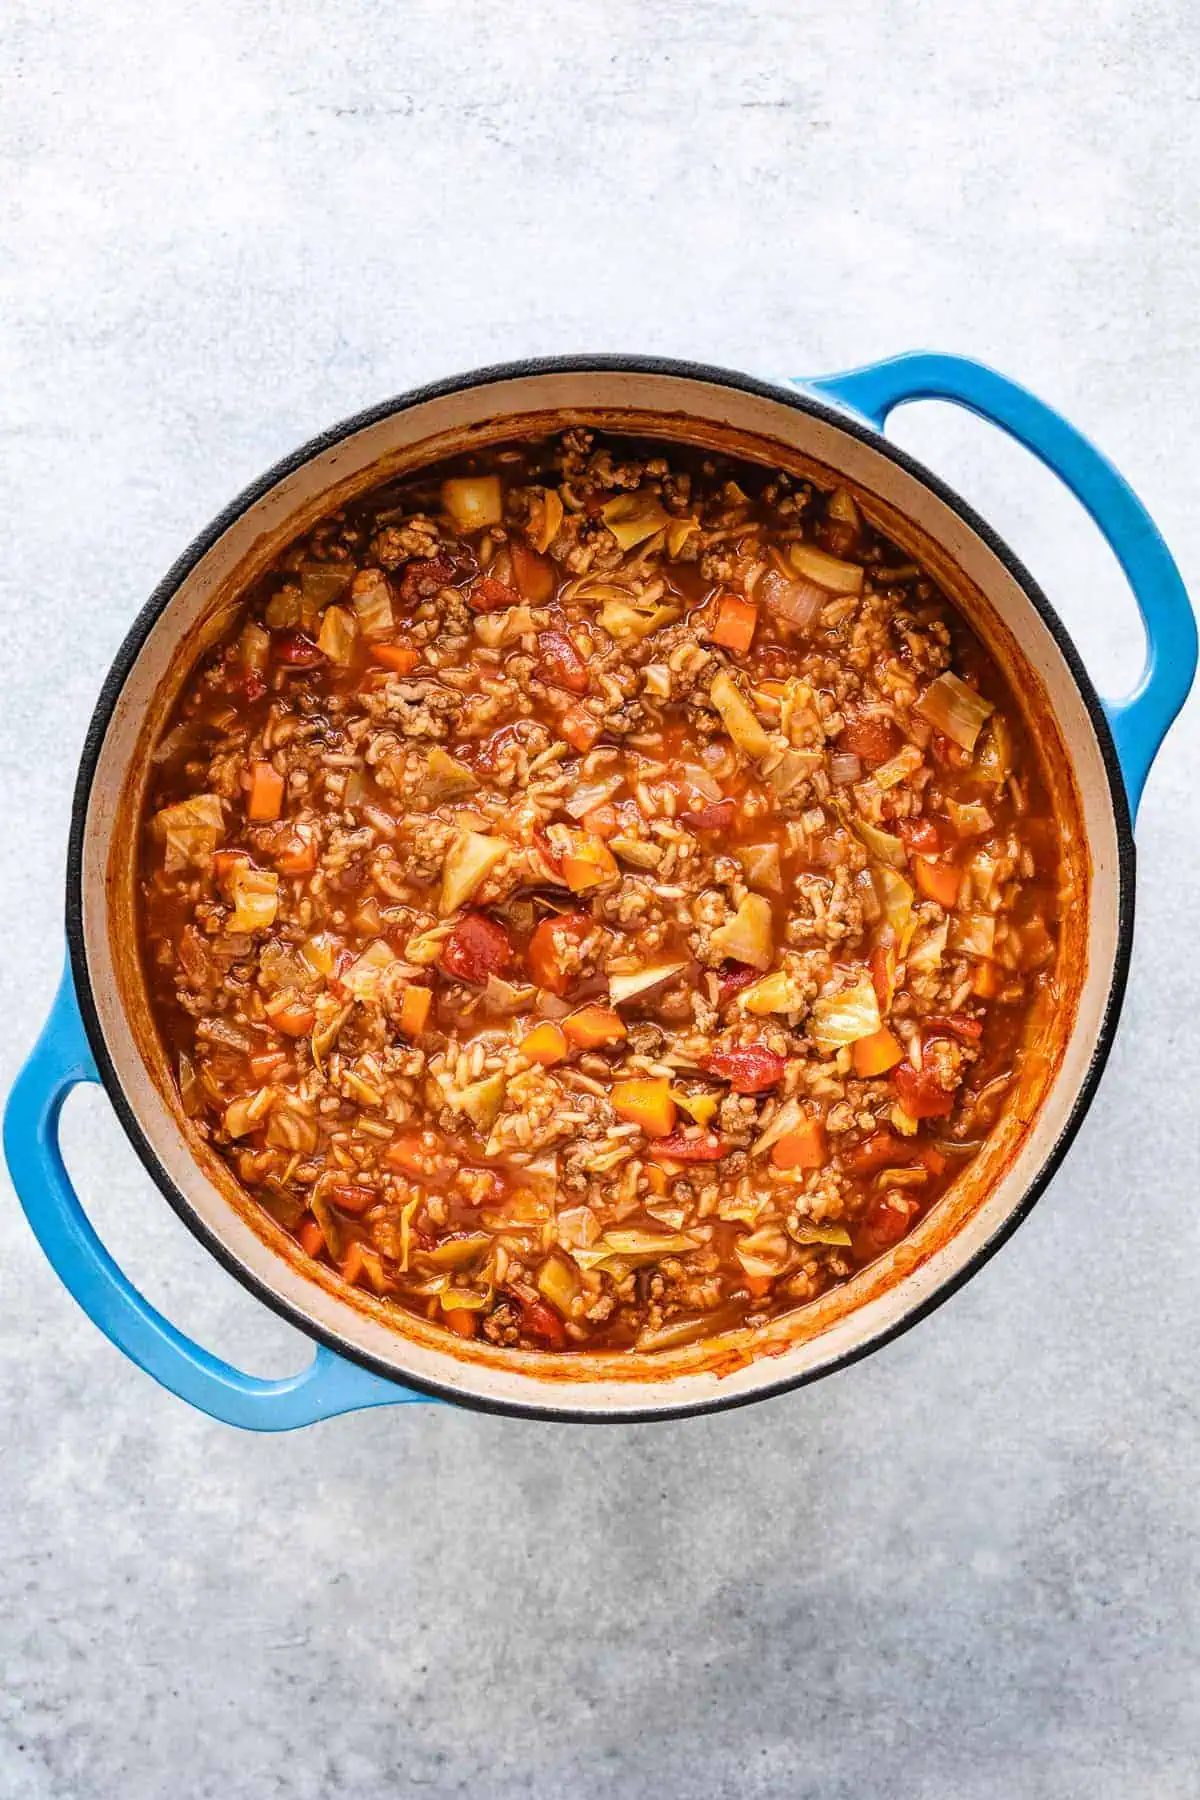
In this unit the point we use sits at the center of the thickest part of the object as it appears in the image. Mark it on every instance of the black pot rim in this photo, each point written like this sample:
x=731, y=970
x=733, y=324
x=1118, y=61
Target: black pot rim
x=799, y=400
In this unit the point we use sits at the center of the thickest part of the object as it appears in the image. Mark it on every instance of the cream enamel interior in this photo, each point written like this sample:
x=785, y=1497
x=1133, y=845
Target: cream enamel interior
x=683, y=406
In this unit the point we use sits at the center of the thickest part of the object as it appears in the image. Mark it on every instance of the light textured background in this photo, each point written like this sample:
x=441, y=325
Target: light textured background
x=964, y=1570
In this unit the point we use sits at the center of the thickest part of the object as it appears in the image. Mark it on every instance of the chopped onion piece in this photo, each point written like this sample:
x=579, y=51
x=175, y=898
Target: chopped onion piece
x=844, y=768
x=829, y=572
x=798, y=603
x=623, y=988
x=955, y=709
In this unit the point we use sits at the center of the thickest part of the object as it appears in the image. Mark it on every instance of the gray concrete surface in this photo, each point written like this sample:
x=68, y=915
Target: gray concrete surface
x=964, y=1570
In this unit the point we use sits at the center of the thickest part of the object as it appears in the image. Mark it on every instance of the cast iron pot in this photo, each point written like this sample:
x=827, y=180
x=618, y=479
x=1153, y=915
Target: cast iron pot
x=1096, y=756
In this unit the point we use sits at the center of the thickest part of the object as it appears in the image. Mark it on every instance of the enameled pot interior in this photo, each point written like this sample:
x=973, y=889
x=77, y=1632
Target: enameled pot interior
x=193, y=609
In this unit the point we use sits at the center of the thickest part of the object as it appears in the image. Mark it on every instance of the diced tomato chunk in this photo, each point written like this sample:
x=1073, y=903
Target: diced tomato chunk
x=490, y=595
x=921, y=1093
x=534, y=574
x=959, y=1025
x=421, y=580
x=921, y=837
x=885, y=1150
x=732, y=977
x=872, y=737
x=296, y=649
x=708, y=1147
x=718, y=815
x=539, y=1320
x=752, y=1069
x=560, y=663
x=476, y=948
x=886, y=1220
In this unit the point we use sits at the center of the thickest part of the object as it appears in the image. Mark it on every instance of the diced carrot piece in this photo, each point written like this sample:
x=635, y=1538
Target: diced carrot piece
x=224, y=862
x=657, y=1179
x=352, y=1262
x=414, y=1010
x=461, y=1321
x=984, y=982
x=312, y=1238
x=294, y=1017
x=300, y=858
x=882, y=964
x=264, y=1066
x=646, y=1103
x=348, y=1197
x=758, y=1286
x=592, y=1027
x=400, y=658
x=876, y=1054
x=804, y=1148
x=534, y=574
x=602, y=821
x=545, y=1044
x=580, y=727
x=588, y=863
x=735, y=623
x=938, y=881
x=404, y=1154
x=265, y=799
x=550, y=950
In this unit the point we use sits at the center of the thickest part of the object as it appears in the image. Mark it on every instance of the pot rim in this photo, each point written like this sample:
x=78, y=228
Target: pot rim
x=800, y=399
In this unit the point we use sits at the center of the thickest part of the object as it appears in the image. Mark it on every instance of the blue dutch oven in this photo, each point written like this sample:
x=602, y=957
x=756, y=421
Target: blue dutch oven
x=1096, y=755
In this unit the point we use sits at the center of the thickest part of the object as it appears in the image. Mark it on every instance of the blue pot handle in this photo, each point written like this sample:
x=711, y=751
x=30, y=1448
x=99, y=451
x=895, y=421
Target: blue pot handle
x=62, y=1058
x=1140, y=721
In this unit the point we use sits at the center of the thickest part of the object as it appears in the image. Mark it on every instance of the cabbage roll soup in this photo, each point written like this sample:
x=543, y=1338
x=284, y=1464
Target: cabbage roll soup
x=598, y=895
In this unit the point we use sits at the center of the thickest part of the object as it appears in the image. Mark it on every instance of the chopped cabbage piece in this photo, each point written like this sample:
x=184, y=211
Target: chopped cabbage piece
x=777, y=992
x=371, y=597
x=255, y=896
x=190, y=829
x=361, y=979
x=632, y=518
x=994, y=757
x=473, y=501
x=955, y=709
x=469, y=861
x=339, y=628
x=738, y=716
x=844, y=1017
x=748, y=936
x=973, y=934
